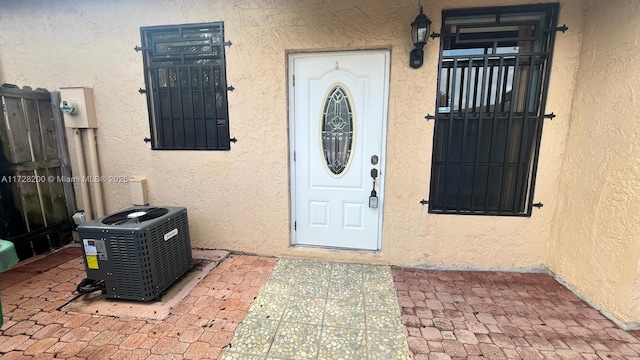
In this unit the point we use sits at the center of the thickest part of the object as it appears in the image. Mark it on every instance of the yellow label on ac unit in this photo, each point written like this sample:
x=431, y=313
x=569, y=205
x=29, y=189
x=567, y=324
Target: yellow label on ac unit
x=92, y=262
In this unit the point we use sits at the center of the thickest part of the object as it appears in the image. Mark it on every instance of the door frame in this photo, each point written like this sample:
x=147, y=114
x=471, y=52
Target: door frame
x=380, y=188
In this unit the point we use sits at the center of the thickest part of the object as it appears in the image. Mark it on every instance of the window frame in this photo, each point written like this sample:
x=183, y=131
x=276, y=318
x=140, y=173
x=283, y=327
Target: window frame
x=221, y=141
x=524, y=208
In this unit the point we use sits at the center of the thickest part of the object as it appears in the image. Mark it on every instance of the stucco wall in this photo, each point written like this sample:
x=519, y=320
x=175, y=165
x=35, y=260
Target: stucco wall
x=595, y=243
x=240, y=199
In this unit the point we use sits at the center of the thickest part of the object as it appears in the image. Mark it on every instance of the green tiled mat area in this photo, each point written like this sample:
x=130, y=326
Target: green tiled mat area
x=322, y=310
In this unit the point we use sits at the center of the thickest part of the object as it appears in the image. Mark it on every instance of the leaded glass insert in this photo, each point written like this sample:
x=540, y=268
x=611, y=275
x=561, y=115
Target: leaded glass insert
x=337, y=129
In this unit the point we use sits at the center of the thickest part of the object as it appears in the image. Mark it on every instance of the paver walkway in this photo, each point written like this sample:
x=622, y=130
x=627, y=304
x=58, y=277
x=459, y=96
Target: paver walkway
x=497, y=315
x=199, y=328
x=314, y=310
x=323, y=310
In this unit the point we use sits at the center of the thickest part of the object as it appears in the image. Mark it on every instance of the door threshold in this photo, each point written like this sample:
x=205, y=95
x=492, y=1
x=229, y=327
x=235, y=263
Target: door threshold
x=332, y=248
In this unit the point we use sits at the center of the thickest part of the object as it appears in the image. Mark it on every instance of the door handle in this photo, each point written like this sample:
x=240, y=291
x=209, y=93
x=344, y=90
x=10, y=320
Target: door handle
x=373, y=199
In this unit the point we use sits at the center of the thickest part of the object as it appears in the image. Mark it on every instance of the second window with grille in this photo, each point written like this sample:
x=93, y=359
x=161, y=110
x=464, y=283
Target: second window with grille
x=186, y=86
x=492, y=84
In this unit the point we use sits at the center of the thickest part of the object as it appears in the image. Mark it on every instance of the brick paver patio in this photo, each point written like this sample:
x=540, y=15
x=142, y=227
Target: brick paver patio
x=199, y=328
x=497, y=315
x=447, y=315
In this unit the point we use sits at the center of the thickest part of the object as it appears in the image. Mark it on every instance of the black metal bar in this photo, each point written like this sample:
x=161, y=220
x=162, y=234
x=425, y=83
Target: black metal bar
x=193, y=107
x=233, y=140
x=424, y=202
x=157, y=107
x=139, y=48
x=430, y=117
x=228, y=43
x=211, y=74
x=538, y=135
x=216, y=88
x=491, y=10
x=173, y=55
x=148, y=80
x=550, y=116
x=147, y=139
x=181, y=54
x=204, y=104
x=475, y=87
x=476, y=115
x=522, y=179
x=184, y=128
x=433, y=191
x=481, y=163
x=496, y=57
x=434, y=35
x=464, y=129
x=553, y=14
x=170, y=97
x=538, y=122
x=479, y=135
x=230, y=88
x=450, y=136
x=476, y=213
x=493, y=134
x=179, y=59
x=514, y=96
x=223, y=78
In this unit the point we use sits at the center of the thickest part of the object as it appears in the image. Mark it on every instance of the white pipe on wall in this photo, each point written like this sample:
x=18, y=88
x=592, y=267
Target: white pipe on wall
x=95, y=171
x=82, y=169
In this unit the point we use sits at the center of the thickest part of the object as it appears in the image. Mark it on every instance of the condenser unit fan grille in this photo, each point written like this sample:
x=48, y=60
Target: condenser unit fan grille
x=134, y=216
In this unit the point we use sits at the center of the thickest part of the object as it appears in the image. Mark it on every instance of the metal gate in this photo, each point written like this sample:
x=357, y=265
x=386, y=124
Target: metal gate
x=36, y=202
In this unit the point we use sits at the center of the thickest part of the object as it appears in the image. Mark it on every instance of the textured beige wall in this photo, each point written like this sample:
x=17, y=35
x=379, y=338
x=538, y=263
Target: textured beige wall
x=240, y=199
x=596, y=238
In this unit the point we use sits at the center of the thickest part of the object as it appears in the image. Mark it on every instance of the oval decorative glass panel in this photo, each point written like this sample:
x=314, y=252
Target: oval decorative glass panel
x=337, y=129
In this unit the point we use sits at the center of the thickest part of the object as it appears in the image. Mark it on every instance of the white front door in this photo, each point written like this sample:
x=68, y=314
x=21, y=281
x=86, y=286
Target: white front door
x=338, y=115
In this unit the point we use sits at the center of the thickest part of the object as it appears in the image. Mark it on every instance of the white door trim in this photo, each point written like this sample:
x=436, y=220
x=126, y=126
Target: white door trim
x=292, y=143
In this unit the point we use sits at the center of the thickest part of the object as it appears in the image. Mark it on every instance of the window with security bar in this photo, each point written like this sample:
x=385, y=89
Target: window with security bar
x=186, y=86
x=492, y=87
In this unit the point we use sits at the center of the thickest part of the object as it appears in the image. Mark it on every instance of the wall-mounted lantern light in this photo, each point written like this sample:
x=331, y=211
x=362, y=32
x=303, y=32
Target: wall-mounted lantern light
x=419, y=33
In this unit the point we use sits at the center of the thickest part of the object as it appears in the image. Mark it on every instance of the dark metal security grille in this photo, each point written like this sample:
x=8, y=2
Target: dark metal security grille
x=186, y=86
x=492, y=87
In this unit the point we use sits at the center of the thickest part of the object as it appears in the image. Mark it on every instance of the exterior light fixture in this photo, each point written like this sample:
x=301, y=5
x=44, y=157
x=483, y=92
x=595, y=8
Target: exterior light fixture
x=419, y=33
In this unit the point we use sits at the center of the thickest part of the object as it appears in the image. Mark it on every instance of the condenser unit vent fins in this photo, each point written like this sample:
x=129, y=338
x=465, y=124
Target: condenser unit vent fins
x=147, y=250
